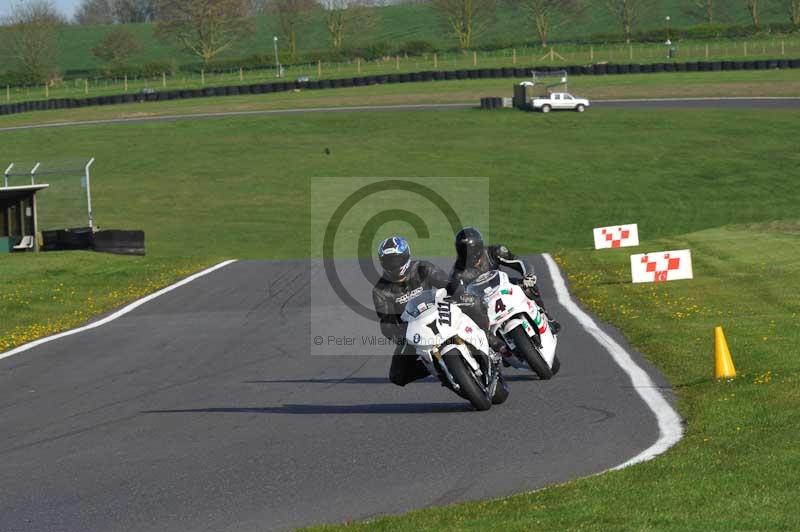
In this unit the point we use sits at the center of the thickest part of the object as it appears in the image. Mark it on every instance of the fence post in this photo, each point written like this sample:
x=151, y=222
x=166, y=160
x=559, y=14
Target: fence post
x=745, y=48
x=591, y=53
x=125, y=82
x=474, y=58
x=435, y=61
x=630, y=52
x=358, y=64
x=397, y=62
x=319, y=68
x=8, y=93
x=706, y=50
x=783, y=47
x=86, y=86
x=46, y=91
x=202, y=76
x=514, y=57
x=163, y=80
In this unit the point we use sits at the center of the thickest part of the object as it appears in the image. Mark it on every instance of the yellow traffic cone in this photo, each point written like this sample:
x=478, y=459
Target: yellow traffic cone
x=724, y=364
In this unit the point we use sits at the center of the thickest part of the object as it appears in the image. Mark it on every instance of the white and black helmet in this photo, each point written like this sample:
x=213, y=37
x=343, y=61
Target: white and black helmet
x=394, y=254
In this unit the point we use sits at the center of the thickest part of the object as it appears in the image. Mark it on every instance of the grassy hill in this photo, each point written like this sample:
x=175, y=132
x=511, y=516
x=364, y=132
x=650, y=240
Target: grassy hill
x=396, y=25
x=240, y=187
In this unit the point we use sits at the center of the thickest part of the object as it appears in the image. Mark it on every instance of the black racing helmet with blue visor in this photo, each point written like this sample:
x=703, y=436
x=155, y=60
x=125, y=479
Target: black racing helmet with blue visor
x=394, y=255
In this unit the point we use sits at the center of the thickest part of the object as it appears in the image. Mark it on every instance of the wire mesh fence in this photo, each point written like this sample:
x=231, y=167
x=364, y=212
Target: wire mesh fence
x=64, y=203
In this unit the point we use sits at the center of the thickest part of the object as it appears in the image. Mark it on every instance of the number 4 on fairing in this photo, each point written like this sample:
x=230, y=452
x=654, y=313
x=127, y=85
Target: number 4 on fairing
x=519, y=321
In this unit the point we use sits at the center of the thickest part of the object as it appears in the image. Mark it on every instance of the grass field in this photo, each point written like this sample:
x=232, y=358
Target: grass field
x=397, y=25
x=741, y=50
x=722, y=183
x=686, y=84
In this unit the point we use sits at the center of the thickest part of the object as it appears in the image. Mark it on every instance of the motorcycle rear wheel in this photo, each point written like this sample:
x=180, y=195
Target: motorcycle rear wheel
x=470, y=389
x=524, y=346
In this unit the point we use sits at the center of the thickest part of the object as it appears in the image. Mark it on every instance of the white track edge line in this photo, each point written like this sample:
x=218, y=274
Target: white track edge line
x=121, y=312
x=669, y=422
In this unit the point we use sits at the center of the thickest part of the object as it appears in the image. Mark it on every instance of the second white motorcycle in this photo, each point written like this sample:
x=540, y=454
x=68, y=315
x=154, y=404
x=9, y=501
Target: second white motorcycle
x=519, y=322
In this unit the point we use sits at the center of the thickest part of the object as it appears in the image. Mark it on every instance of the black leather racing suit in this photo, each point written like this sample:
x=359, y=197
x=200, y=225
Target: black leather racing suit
x=493, y=258
x=390, y=298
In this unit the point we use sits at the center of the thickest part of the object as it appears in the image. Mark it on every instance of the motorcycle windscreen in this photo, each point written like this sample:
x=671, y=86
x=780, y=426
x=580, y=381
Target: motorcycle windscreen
x=485, y=284
x=423, y=302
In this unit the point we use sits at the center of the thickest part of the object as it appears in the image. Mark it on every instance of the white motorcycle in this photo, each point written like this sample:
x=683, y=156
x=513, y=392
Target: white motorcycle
x=519, y=322
x=454, y=349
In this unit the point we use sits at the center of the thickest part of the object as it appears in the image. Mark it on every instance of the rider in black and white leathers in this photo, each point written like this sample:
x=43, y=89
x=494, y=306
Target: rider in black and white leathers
x=402, y=280
x=475, y=258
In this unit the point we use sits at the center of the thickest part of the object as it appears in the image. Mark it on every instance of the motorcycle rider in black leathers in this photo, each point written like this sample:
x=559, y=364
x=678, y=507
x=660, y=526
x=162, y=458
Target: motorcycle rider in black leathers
x=403, y=279
x=475, y=258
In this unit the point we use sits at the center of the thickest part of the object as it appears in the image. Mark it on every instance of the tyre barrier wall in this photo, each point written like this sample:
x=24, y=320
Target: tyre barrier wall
x=115, y=241
x=119, y=242
x=362, y=81
x=67, y=239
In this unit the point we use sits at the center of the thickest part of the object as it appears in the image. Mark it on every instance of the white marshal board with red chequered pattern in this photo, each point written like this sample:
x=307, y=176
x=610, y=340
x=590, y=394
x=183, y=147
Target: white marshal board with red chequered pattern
x=661, y=266
x=616, y=236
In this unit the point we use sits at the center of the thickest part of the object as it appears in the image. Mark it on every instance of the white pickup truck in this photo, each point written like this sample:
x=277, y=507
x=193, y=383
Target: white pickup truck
x=559, y=100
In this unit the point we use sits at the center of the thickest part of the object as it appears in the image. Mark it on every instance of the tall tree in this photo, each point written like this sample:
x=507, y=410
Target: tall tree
x=793, y=7
x=754, y=11
x=204, y=27
x=627, y=13
x=702, y=9
x=116, y=47
x=342, y=17
x=547, y=15
x=33, y=30
x=256, y=7
x=132, y=11
x=94, y=12
x=291, y=15
x=466, y=18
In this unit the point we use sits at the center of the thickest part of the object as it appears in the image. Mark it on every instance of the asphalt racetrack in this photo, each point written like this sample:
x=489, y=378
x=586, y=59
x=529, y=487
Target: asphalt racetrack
x=655, y=103
x=209, y=408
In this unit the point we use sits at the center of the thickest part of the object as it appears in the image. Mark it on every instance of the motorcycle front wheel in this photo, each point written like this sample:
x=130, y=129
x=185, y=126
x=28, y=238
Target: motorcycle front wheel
x=501, y=392
x=524, y=346
x=470, y=389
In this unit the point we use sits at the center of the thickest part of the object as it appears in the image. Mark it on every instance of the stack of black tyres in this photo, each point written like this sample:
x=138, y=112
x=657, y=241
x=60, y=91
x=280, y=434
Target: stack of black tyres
x=491, y=102
x=120, y=242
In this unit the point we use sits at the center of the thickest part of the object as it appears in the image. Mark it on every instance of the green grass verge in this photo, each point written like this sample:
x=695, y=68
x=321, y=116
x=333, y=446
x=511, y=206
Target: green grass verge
x=239, y=188
x=52, y=292
x=703, y=84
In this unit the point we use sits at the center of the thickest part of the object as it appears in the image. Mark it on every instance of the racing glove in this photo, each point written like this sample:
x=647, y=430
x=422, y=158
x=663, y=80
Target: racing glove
x=529, y=281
